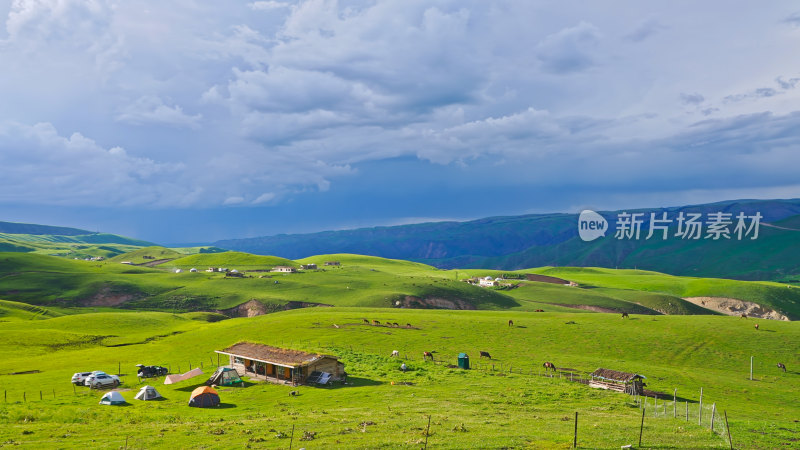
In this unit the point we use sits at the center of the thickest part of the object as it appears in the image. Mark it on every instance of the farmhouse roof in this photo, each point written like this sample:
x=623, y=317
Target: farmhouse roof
x=272, y=355
x=615, y=375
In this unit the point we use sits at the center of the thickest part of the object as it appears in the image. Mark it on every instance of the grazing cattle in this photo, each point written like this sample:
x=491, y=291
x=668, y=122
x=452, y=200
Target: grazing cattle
x=782, y=366
x=539, y=310
x=395, y=354
x=486, y=355
x=625, y=315
x=375, y=322
x=395, y=324
x=366, y=321
x=549, y=365
x=756, y=327
x=510, y=323
x=408, y=325
x=426, y=355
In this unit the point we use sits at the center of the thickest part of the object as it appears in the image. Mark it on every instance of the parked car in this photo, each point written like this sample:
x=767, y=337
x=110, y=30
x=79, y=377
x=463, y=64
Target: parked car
x=150, y=371
x=80, y=377
x=102, y=381
x=88, y=380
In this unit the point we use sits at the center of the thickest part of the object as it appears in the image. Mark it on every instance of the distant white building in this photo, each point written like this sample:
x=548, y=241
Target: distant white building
x=487, y=282
x=178, y=270
x=192, y=270
x=284, y=269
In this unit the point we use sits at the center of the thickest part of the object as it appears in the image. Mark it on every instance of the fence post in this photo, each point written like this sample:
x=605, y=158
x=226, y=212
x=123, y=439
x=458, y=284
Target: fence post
x=5, y=394
x=729, y=429
x=687, y=410
x=641, y=427
x=24, y=396
x=751, y=368
x=675, y=403
x=40, y=396
x=427, y=431
x=655, y=405
x=713, y=411
x=700, y=410
x=575, y=438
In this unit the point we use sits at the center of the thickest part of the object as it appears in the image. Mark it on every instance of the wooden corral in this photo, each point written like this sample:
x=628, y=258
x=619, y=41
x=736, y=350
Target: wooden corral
x=280, y=365
x=629, y=383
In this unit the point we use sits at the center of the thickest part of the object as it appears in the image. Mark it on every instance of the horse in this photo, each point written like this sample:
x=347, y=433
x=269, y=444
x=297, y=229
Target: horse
x=539, y=310
x=486, y=355
x=366, y=321
x=549, y=365
x=510, y=323
x=395, y=324
x=756, y=327
x=375, y=322
x=625, y=315
x=426, y=355
x=408, y=325
x=743, y=316
x=395, y=353
x=782, y=366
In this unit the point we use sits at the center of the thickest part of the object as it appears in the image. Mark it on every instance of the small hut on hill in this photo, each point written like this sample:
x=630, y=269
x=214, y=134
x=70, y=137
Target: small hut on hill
x=280, y=365
x=629, y=383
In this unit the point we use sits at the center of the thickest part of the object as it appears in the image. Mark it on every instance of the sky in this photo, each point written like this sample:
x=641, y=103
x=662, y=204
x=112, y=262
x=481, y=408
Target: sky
x=193, y=121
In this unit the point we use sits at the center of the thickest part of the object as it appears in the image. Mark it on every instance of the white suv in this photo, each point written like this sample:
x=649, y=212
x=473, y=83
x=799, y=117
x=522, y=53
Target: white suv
x=103, y=380
x=79, y=378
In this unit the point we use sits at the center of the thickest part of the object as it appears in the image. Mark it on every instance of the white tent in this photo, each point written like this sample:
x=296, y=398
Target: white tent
x=112, y=398
x=175, y=378
x=147, y=393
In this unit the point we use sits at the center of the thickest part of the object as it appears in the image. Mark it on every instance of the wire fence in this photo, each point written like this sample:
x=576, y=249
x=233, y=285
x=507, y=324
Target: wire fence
x=700, y=413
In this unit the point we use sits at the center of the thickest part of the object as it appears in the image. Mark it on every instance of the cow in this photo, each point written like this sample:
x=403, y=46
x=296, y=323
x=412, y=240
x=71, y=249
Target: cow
x=510, y=323
x=375, y=322
x=743, y=316
x=756, y=327
x=625, y=315
x=539, y=310
x=426, y=355
x=549, y=365
x=486, y=355
x=395, y=354
x=782, y=366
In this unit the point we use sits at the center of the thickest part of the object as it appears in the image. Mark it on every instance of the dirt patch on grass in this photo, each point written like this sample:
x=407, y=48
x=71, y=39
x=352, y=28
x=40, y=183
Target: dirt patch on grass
x=736, y=307
x=106, y=297
x=410, y=301
x=155, y=262
x=255, y=308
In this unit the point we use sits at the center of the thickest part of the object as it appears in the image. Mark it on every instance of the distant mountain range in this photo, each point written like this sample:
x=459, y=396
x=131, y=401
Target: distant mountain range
x=535, y=240
x=29, y=228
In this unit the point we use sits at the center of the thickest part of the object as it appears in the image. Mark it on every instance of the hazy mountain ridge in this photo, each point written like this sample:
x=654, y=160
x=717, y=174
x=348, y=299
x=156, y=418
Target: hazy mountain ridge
x=517, y=242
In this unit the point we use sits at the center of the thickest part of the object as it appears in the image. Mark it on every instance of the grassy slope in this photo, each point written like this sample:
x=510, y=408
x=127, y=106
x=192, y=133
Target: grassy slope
x=238, y=260
x=157, y=252
x=496, y=411
x=23, y=311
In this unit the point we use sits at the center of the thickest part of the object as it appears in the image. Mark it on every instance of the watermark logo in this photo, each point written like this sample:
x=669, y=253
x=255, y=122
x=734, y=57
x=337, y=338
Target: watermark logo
x=591, y=225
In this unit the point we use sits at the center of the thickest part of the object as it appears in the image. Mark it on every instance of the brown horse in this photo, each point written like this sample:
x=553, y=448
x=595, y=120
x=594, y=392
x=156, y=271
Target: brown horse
x=486, y=355
x=408, y=325
x=549, y=365
x=366, y=321
x=756, y=327
x=426, y=355
x=510, y=323
x=743, y=316
x=625, y=315
x=375, y=322
x=395, y=324
x=539, y=310
x=782, y=366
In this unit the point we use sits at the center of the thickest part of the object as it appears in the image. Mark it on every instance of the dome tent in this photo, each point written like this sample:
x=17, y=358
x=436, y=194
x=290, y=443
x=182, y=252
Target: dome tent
x=225, y=376
x=112, y=398
x=204, y=397
x=148, y=393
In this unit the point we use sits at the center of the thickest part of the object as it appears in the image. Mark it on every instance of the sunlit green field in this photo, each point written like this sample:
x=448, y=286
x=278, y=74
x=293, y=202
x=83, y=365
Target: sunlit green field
x=468, y=409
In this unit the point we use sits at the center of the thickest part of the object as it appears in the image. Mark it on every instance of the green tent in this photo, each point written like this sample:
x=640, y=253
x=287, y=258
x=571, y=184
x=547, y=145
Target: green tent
x=225, y=376
x=112, y=398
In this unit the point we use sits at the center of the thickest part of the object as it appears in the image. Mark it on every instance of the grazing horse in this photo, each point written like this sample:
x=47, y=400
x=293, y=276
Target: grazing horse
x=426, y=355
x=395, y=353
x=510, y=323
x=395, y=324
x=366, y=321
x=743, y=316
x=549, y=365
x=756, y=327
x=375, y=322
x=486, y=355
x=625, y=315
x=782, y=366
x=539, y=310
x=408, y=325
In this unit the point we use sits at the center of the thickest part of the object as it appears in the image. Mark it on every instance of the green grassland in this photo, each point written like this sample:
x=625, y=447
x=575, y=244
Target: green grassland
x=468, y=409
x=363, y=281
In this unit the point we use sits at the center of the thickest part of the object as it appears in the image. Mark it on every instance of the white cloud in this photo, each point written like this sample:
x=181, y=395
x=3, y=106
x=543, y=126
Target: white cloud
x=268, y=5
x=569, y=50
x=152, y=110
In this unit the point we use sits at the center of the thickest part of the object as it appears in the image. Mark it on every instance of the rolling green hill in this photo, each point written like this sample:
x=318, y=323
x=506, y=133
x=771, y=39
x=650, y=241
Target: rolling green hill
x=147, y=255
x=504, y=403
x=362, y=281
